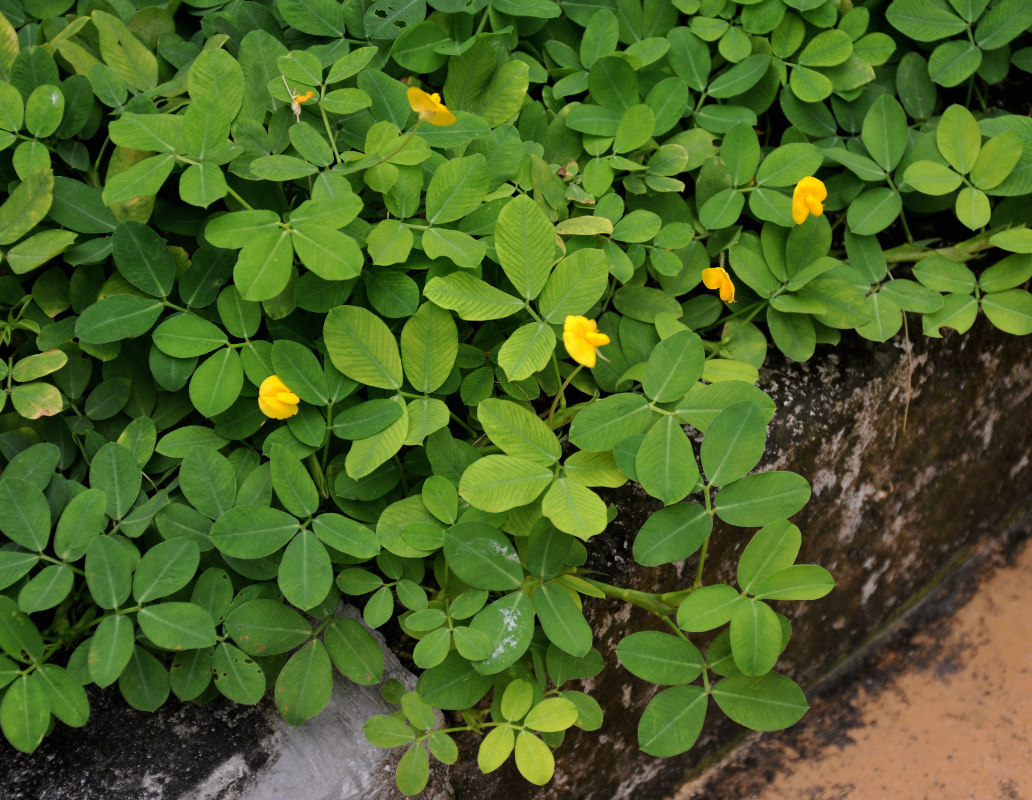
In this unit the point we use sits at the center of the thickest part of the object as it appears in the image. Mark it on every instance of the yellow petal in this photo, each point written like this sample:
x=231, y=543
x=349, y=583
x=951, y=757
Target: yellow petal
x=814, y=205
x=272, y=385
x=713, y=277
x=418, y=99
x=580, y=349
x=271, y=407
x=727, y=291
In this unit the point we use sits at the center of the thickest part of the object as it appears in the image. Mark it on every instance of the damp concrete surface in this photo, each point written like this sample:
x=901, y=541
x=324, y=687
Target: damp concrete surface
x=941, y=709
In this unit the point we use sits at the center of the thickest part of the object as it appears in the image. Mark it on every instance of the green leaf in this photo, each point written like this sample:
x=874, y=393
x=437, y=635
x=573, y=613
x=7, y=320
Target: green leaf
x=305, y=572
x=672, y=721
x=43, y=111
x=177, y=626
x=873, y=211
x=958, y=138
x=603, y=423
x=996, y=160
x=117, y=317
x=518, y=431
x=931, y=177
x=575, y=285
x=1004, y=22
x=795, y=582
x=495, y=748
x=237, y=676
x=108, y=572
x=293, y=485
x=26, y=205
x=329, y=253
x=826, y=49
x=366, y=419
x=952, y=63
x=470, y=297
x=114, y=471
x=24, y=514
x=635, y=129
x=144, y=683
x=346, y=535
x=38, y=249
x=385, y=731
x=660, y=658
x=574, y=509
x=809, y=85
x=165, y=569
x=68, y=701
x=768, y=703
x=144, y=178
x=369, y=453
x=771, y=549
x=111, y=647
x=161, y=133
x=460, y=247
x=483, y=557
x=124, y=53
x=788, y=164
x=525, y=243
x=734, y=443
x=217, y=382
x=208, y=481
x=413, y=770
x=499, y=483
x=924, y=20
x=972, y=208
x=25, y=713
x=252, y=531
x=320, y=18
x=561, y=619
x=1009, y=310
x=262, y=270
x=429, y=344
x=755, y=637
x=454, y=684
x=665, y=464
x=958, y=312
x=551, y=715
x=672, y=534
x=19, y=637
x=762, y=498
x=741, y=77
x=674, y=366
x=707, y=608
x=354, y=651
x=457, y=187
x=528, y=350
x=266, y=627
x=884, y=132
x=362, y=347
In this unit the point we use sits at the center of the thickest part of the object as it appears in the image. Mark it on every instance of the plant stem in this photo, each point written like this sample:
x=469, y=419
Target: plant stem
x=559, y=396
x=650, y=602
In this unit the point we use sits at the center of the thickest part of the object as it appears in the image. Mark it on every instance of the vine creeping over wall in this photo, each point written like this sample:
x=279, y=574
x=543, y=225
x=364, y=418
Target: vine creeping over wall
x=284, y=284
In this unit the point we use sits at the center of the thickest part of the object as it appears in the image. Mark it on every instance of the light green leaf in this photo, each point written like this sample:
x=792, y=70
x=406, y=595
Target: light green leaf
x=362, y=347
x=528, y=350
x=525, y=243
x=499, y=483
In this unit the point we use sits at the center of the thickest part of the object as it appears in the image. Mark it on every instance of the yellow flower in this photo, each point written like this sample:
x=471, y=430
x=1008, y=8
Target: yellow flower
x=581, y=337
x=429, y=107
x=808, y=198
x=276, y=400
x=300, y=98
x=717, y=278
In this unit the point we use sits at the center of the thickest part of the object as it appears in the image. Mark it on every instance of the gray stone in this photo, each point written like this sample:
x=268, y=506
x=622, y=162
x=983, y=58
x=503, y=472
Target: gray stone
x=221, y=751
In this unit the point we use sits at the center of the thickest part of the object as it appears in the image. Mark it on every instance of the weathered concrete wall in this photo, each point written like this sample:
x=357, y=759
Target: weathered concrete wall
x=890, y=511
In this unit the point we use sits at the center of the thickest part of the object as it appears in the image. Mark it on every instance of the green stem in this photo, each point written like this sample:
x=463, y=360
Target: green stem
x=329, y=133
x=963, y=251
x=705, y=544
x=233, y=193
x=560, y=395
x=648, y=601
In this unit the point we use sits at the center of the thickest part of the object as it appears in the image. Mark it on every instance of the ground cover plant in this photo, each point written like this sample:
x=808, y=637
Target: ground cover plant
x=283, y=288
